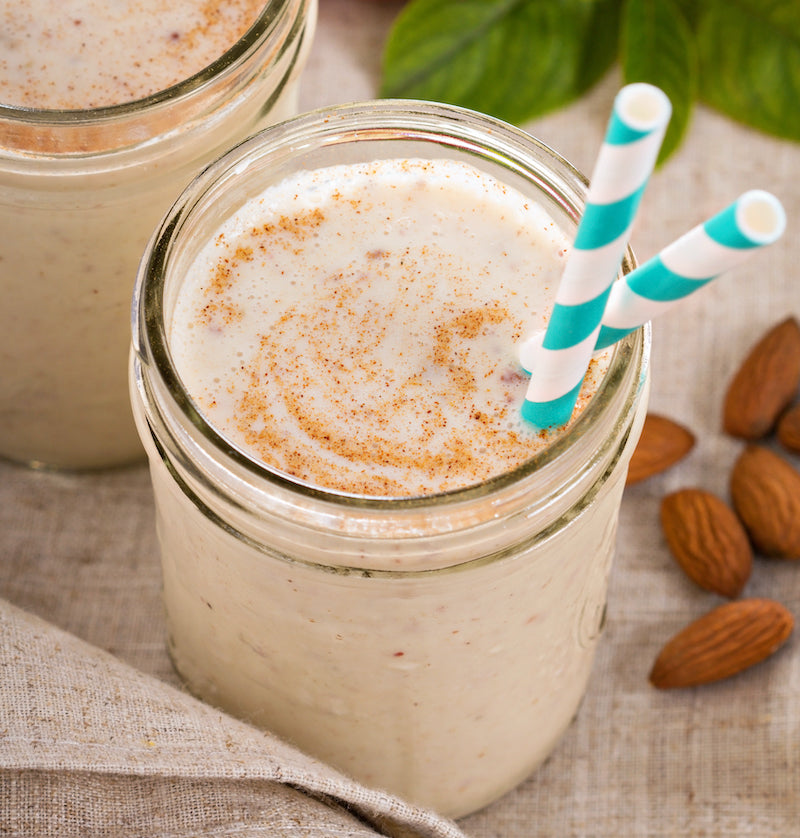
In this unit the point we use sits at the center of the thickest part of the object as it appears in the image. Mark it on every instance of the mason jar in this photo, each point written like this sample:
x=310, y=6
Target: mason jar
x=80, y=193
x=436, y=646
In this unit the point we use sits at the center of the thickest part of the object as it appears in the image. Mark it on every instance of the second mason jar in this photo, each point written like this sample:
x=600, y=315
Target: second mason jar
x=82, y=186
x=436, y=644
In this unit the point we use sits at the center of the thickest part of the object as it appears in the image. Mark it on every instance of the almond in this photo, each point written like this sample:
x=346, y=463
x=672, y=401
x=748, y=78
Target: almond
x=765, y=490
x=719, y=644
x=765, y=383
x=663, y=442
x=788, y=429
x=707, y=540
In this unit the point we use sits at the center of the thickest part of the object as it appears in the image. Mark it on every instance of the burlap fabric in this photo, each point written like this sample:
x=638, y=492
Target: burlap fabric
x=89, y=746
x=723, y=760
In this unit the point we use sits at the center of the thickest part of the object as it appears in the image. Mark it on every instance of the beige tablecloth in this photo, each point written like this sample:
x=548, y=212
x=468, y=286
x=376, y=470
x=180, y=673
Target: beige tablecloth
x=724, y=760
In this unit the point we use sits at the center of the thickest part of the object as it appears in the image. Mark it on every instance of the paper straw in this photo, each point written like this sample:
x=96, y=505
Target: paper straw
x=626, y=160
x=753, y=220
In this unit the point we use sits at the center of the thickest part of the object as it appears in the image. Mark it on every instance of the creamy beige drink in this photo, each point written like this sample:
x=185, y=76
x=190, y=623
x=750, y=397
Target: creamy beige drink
x=357, y=327
x=106, y=112
x=79, y=54
x=364, y=547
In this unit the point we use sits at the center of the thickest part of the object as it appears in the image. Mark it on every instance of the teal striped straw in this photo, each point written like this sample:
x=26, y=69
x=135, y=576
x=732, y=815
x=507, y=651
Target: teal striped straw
x=753, y=220
x=626, y=160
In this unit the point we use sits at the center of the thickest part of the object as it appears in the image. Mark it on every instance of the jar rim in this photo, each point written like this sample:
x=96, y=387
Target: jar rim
x=53, y=118
x=415, y=120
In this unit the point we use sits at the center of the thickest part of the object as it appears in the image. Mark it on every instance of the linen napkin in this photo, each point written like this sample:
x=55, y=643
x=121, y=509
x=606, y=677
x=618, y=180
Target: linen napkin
x=92, y=747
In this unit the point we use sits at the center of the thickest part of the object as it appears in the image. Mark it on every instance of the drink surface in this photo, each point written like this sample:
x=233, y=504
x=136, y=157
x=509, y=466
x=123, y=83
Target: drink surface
x=79, y=54
x=356, y=327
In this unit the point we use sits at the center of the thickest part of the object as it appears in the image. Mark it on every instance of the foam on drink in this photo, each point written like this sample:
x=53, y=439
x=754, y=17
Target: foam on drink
x=357, y=327
x=91, y=54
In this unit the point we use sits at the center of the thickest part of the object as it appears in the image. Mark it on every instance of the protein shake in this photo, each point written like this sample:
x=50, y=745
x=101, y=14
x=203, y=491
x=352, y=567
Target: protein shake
x=364, y=548
x=107, y=112
x=357, y=327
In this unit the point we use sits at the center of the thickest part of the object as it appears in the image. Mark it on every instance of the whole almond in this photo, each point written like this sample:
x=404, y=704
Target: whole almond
x=765, y=490
x=707, y=540
x=663, y=442
x=765, y=383
x=788, y=429
x=719, y=644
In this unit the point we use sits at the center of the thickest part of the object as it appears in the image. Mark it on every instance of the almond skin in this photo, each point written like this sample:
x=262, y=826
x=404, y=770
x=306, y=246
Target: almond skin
x=765, y=383
x=788, y=430
x=663, y=442
x=765, y=490
x=707, y=540
x=719, y=644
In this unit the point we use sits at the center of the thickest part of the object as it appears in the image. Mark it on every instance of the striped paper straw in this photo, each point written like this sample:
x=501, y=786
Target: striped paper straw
x=753, y=220
x=627, y=156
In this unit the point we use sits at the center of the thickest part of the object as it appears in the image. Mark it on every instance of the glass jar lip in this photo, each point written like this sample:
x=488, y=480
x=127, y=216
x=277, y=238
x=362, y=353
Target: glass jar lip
x=234, y=55
x=407, y=119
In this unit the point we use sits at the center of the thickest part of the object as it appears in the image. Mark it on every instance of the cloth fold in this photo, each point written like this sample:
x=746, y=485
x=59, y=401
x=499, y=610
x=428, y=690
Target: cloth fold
x=90, y=746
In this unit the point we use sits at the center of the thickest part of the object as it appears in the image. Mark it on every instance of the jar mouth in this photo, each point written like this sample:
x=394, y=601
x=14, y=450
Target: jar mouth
x=54, y=117
x=445, y=128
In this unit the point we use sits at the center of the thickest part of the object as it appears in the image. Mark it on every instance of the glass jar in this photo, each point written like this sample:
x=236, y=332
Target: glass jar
x=80, y=194
x=434, y=646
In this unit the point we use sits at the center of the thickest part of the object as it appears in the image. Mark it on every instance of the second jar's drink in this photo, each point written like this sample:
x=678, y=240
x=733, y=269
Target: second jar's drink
x=106, y=113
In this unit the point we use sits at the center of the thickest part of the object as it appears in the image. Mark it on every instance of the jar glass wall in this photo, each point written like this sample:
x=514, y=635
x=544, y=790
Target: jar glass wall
x=435, y=646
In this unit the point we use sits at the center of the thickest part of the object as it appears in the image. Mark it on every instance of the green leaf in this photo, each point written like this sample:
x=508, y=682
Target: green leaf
x=514, y=59
x=658, y=47
x=691, y=10
x=749, y=53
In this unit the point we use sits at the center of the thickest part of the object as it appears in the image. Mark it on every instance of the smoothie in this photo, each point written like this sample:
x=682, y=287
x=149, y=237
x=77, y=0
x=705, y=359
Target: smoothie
x=106, y=112
x=364, y=548
x=357, y=327
x=79, y=54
